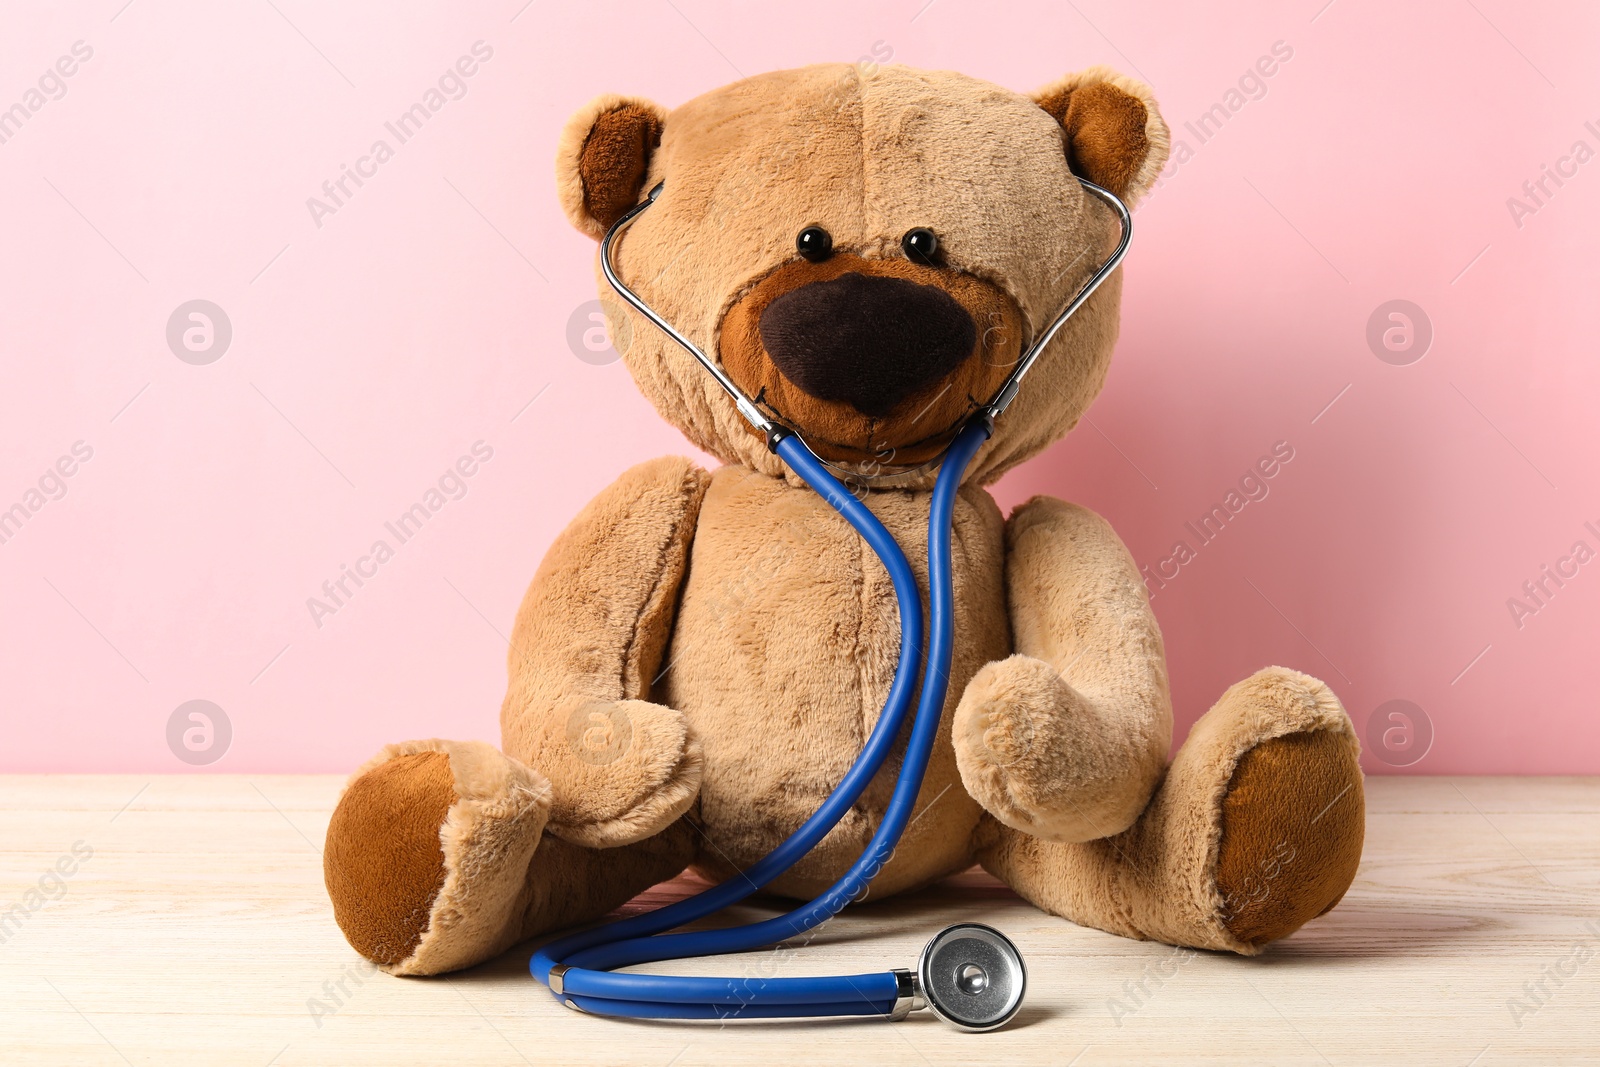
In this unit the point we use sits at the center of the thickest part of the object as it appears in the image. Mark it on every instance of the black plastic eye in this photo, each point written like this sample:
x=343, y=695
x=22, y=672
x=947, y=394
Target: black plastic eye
x=814, y=243
x=921, y=245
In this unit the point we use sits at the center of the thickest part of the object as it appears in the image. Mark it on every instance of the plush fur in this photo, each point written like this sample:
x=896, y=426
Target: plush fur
x=701, y=655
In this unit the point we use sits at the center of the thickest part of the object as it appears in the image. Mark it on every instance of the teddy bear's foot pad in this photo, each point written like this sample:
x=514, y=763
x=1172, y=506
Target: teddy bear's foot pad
x=1281, y=864
x=1256, y=829
x=409, y=830
x=383, y=862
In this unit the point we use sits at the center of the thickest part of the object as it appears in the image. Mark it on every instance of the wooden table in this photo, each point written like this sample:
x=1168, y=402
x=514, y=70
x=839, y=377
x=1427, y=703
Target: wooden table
x=198, y=932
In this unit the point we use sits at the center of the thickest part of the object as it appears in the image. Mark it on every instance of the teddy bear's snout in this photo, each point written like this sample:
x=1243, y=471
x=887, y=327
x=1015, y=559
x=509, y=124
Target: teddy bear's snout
x=867, y=341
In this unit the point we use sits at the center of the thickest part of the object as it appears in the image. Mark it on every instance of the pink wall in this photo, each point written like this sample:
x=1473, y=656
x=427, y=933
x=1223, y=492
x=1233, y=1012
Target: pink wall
x=370, y=353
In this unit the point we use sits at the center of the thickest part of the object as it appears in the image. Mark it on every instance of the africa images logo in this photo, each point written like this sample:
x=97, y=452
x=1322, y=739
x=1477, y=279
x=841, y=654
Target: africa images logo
x=51, y=85
x=1252, y=487
x=453, y=484
x=451, y=85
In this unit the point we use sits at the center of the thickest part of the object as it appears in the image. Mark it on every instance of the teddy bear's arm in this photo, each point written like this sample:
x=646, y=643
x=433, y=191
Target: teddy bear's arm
x=1067, y=738
x=588, y=643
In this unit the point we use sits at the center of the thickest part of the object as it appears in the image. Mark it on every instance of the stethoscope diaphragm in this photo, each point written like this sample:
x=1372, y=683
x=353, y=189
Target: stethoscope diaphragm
x=972, y=976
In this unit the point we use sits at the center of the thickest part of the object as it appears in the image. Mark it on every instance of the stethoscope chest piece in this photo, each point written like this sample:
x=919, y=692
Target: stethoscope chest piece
x=972, y=977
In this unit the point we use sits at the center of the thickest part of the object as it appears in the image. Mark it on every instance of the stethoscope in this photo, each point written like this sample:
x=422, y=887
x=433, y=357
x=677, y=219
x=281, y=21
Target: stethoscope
x=971, y=975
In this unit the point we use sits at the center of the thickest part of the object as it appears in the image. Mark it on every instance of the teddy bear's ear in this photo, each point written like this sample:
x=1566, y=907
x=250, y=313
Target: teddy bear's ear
x=603, y=157
x=1115, y=135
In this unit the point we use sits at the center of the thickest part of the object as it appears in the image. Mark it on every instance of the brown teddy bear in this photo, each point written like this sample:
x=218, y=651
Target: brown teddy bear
x=702, y=653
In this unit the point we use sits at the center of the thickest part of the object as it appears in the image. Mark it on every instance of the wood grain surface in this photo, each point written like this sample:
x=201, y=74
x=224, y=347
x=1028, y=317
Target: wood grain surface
x=198, y=932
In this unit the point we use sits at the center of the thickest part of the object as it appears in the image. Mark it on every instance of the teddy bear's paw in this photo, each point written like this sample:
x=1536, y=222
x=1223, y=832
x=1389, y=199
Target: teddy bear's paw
x=624, y=770
x=1256, y=828
x=1258, y=825
x=428, y=851
x=1292, y=820
x=1040, y=758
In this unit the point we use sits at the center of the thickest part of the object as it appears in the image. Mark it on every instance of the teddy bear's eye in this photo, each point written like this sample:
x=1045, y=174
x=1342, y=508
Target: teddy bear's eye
x=921, y=246
x=814, y=243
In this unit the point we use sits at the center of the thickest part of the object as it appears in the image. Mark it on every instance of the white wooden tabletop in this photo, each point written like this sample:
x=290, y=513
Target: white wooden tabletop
x=182, y=920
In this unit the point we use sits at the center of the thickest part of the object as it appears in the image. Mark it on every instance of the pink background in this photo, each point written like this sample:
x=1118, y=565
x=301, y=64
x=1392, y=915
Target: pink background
x=370, y=353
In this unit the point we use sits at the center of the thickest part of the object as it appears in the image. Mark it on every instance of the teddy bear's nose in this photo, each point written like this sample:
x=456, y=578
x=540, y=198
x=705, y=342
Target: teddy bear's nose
x=865, y=340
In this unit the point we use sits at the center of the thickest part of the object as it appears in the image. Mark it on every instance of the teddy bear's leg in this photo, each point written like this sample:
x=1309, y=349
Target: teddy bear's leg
x=437, y=858
x=1256, y=828
x=442, y=854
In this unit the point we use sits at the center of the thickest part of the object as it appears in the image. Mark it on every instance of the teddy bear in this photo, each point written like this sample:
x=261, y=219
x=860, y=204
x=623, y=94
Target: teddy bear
x=701, y=653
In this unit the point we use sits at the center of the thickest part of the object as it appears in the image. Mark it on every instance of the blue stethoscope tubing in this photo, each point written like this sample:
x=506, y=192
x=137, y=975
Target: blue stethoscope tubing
x=583, y=961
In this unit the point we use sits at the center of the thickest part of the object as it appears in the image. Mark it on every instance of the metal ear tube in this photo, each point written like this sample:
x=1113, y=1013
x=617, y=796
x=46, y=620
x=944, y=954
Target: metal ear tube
x=969, y=975
x=992, y=409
